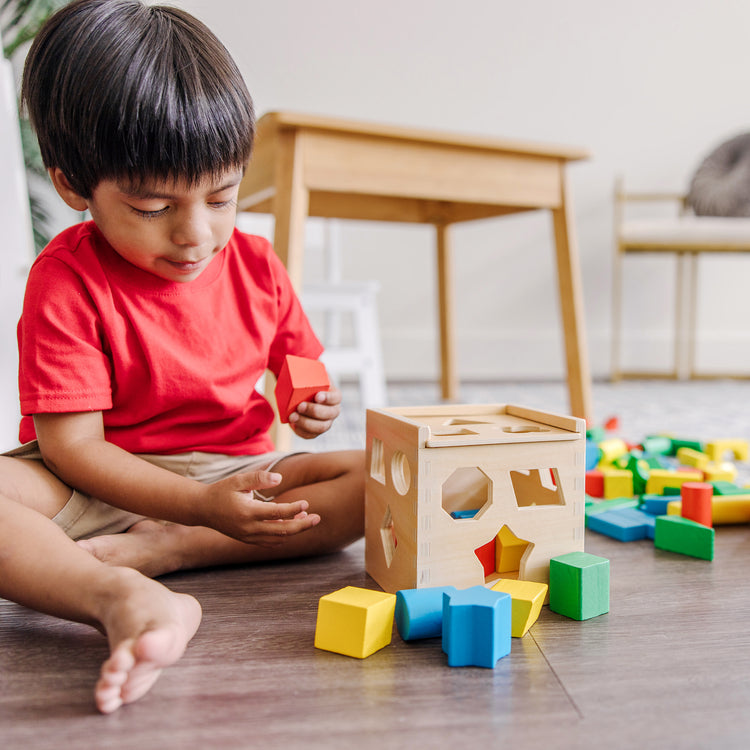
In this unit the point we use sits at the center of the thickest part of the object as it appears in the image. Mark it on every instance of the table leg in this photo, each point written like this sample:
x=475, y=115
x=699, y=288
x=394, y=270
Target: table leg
x=571, y=303
x=446, y=310
x=291, y=203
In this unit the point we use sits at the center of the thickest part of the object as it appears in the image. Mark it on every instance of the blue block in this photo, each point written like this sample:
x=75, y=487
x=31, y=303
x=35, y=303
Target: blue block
x=624, y=524
x=655, y=505
x=419, y=612
x=476, y=627
x=593, y=454
x=640, y=516
x=464, y=513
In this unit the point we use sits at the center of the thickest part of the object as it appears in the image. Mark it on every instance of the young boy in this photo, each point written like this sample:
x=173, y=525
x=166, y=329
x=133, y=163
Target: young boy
x=143, y=334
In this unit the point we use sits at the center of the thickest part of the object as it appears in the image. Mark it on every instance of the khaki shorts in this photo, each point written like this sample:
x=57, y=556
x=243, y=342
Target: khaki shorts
x=84, y=516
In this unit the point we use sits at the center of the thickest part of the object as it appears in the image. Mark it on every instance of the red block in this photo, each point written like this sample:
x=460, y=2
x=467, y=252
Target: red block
x=696, y=502
x=299, y=380
x=486, y=555
x=595, y=483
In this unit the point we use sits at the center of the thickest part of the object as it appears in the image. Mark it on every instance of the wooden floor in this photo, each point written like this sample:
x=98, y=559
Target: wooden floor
x=668, y=667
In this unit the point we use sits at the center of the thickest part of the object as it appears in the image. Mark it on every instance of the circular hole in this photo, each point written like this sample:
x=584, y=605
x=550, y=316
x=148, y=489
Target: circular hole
x=400, y=472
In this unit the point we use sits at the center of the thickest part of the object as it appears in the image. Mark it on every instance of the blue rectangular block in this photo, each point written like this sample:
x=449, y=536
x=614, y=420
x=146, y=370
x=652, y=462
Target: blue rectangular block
x=625, y=524
x=655, y=505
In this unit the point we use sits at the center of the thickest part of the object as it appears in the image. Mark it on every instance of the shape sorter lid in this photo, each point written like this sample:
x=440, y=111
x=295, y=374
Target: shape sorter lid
x=488, y=424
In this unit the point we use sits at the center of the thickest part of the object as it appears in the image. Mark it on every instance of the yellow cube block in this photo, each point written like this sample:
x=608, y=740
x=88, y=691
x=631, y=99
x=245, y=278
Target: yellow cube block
x=658, y=479
x=527, y=598
x=355, y=622
x=617, y=483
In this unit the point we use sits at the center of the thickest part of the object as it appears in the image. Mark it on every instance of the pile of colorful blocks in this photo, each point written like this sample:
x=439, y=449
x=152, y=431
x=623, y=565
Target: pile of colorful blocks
x=667, y=489
x=475, y=625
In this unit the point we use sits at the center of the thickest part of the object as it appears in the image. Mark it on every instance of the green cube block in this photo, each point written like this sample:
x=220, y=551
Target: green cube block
x=677, y=534
x=579, y=585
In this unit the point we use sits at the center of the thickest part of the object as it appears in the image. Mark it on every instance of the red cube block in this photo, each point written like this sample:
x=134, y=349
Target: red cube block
x=299, y=380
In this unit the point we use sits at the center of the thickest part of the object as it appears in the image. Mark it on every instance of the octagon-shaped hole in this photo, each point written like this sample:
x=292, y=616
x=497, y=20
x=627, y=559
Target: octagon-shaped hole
x=467, y=493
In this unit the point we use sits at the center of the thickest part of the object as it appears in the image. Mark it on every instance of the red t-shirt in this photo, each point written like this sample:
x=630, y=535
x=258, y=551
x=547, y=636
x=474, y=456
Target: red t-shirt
x=171, y=365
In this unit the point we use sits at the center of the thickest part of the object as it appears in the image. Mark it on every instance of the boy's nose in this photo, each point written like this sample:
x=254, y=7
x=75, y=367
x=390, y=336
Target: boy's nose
x=191, y=230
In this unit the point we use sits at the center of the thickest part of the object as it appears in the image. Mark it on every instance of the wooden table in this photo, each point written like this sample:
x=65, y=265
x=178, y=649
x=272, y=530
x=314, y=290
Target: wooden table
x=305, y=165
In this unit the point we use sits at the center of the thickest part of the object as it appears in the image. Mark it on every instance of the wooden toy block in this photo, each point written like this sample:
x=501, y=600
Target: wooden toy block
x=686, y=537
x=696, y=502
x=718, y=472
x=655, y=505
x=593, y=455
x=638, y=468
x=419, y=612
x=486, y=556
x=725, y=510
x=509, y=550
x=579, y=585
x=527, y=598
x=611, y=449
x=678, y=444
x=595, y=483
x=355, y=622
x=658, y=444
x=476, y=627
x=717, y=449
x=299, y=380
x=602, y=506
x=690, y=457
x=724, y=487
x=621, y=525
x=516, y=467
x=658, y=479
x=617, y=483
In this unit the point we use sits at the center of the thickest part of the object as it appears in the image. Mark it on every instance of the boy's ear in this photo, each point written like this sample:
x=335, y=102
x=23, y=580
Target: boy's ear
x=65, y=190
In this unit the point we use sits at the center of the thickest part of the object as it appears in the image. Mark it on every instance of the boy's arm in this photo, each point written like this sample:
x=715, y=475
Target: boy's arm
x=74, y=448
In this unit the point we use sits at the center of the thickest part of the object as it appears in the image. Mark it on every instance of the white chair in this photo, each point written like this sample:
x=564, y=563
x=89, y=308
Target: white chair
x=349, y=327
x=685, y=236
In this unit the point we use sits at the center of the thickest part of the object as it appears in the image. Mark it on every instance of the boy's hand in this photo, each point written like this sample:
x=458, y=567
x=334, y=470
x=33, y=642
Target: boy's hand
x=232, y=509
x=313, y=418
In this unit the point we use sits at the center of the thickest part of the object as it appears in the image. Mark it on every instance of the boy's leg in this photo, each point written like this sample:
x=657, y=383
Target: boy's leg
x=148, y=626
x=332, y=483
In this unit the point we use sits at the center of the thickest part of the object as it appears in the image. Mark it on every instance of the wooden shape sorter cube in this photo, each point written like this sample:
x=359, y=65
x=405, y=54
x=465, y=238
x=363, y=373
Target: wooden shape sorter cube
x=506, y=465
x=354, y=622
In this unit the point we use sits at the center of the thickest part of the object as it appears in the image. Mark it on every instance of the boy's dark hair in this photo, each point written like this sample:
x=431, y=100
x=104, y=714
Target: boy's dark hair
x=116, y=89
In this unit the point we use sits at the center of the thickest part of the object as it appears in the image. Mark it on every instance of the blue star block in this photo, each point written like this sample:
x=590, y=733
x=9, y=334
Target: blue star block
x=476, y=627
x=419, y=612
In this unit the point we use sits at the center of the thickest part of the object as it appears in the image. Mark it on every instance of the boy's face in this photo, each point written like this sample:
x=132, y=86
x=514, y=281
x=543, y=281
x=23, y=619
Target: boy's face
x=169, y=229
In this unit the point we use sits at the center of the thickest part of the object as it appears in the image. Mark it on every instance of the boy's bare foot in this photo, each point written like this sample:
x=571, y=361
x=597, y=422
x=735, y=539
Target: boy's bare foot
x=148, y=627
x=151, y=547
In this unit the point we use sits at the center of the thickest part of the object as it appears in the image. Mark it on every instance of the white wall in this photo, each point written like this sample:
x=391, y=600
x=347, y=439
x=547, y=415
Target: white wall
x=15, y=253
x=649, y=86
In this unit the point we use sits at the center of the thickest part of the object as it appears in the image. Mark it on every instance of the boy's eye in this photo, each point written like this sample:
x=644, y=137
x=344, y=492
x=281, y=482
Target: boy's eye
x=150, y=214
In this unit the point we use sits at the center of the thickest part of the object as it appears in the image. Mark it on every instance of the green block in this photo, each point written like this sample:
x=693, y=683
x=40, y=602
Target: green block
x=597, y=434
x=677, y=534
x=722, y=487
x=579, y=585
x=676, y=491
x=695, y=445
x=657, y=444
